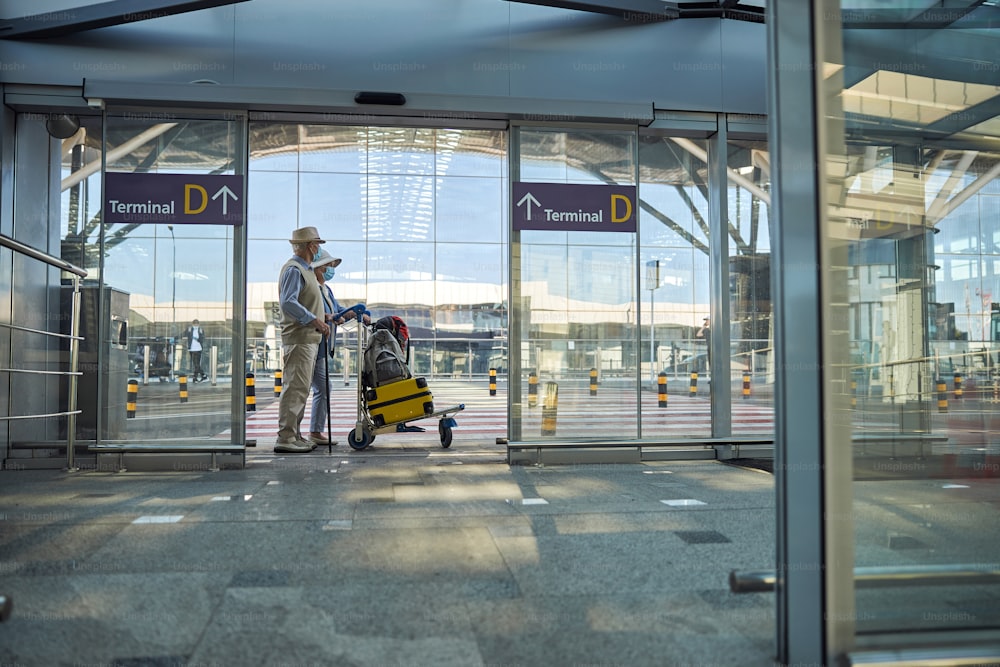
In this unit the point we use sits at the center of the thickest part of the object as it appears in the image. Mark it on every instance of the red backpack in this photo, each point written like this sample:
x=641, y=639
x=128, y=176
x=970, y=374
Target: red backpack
x=397, y=327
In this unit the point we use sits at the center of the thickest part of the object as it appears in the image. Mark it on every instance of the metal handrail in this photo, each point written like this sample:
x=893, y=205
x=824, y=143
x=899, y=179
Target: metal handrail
x=763, y=581
x=51, y=260
x=74, y=343
x=37, y=372
x=14, y=327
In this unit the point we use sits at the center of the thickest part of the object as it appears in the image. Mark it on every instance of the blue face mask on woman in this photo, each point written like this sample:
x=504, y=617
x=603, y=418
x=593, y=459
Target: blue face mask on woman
x=328, y=274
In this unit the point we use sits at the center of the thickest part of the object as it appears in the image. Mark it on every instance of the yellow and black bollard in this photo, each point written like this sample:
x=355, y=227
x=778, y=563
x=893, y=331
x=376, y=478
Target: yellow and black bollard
x=694, y=384
x=133, y=396
x=251, y=394
x=942, y=392
x=746, y=385
x=854, y=393
x=661, y=390
x=493, y=382
x=958, y=385
x=277, y=384
x=593, y=382
x=550, y=407
x=183, y=384
x=532, y=390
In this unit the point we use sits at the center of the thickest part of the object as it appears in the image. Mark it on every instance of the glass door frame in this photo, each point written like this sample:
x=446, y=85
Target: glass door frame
x=814, y=569
x=238, y=288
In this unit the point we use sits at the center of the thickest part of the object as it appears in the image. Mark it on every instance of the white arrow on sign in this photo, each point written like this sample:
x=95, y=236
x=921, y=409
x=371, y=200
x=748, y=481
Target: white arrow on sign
x=528, y=200
x=226, y=193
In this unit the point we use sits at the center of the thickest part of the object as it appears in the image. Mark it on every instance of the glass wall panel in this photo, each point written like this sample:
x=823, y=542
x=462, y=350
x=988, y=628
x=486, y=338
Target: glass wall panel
x=577, y=297
x=674, y=241
x=168, y=274
x=467, y=210
x=750, y=332
x=912, y=169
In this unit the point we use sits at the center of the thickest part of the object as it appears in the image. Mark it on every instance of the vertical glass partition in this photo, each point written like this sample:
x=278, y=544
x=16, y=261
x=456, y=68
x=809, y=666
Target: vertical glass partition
x=171, y=229
x=910, y=103
x=577, y=302
x=674, y=234
x=751, y=330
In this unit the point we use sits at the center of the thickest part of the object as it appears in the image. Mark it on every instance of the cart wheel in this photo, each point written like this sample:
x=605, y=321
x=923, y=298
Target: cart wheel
x=445, y=432
x=365, y=440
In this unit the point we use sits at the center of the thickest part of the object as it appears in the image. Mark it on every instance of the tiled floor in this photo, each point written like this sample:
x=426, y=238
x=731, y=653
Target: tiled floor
x=393, y=556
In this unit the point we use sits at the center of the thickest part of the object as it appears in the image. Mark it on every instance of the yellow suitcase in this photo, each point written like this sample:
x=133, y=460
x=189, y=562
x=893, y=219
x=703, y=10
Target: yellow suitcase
x=399, y=401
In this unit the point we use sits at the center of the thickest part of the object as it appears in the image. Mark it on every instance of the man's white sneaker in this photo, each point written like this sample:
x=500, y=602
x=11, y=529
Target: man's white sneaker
x=292, y=447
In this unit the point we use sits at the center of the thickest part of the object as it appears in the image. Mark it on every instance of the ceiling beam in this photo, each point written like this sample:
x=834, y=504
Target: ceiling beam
x=932, y=18
x=944, y=54
x=630, y=10
x=645, y=11
x=100, y=15
x=966, y=118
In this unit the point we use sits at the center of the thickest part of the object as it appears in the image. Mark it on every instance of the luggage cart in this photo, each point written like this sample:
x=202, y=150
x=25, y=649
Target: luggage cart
x=367, y=426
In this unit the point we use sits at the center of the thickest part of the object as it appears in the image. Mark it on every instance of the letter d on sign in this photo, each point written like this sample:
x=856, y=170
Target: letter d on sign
x=615, y=199
x=188, y=187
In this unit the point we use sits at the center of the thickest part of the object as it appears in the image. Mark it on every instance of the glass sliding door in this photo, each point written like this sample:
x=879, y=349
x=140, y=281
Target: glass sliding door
x=576, y=297
x=912, y=221
x=170, y=246
x=887, y=469
x=418, y=216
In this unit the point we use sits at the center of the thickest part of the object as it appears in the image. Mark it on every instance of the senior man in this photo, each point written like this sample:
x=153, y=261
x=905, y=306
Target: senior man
x=303, y=326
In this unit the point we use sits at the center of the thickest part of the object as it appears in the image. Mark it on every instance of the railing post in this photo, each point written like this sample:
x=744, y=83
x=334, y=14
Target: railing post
x=74, y=365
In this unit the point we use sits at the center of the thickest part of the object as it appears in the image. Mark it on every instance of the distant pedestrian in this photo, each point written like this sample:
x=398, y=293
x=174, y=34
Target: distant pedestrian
x=195, y=337
x=706, y=333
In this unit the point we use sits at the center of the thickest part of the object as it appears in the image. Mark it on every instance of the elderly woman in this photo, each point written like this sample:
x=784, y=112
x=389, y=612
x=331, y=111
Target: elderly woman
x=323, y=266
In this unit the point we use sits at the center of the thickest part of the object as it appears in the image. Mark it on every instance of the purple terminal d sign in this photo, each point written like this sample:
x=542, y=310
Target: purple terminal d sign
x=574, y=208
x=173, y=198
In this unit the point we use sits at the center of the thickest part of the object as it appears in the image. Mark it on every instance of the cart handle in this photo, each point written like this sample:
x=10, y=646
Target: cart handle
x=359, y=310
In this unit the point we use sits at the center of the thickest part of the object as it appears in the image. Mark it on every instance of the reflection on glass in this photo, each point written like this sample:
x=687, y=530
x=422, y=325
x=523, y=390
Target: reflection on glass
x=913, y=266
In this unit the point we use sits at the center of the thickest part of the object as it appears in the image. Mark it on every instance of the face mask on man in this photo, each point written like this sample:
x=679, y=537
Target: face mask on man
x=328, y=274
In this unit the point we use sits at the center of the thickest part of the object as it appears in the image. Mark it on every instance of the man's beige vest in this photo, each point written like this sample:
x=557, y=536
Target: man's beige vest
x=293, y=333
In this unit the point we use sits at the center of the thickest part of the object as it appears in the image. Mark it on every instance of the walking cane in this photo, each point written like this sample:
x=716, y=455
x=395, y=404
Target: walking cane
x=326, y=389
